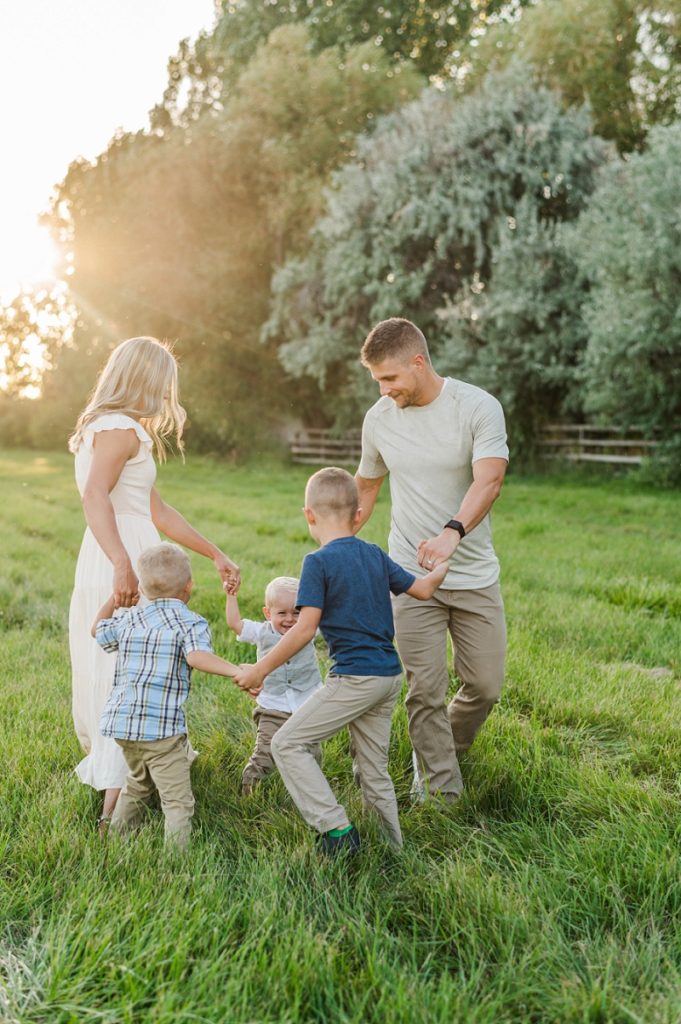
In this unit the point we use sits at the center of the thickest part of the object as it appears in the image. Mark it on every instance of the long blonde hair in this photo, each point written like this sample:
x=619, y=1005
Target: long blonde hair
x=139, y=380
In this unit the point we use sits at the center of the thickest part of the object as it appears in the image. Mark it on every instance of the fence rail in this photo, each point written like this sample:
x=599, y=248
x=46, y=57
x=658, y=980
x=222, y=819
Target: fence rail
x=315, y=447
x=582, y=442
x=575, y=442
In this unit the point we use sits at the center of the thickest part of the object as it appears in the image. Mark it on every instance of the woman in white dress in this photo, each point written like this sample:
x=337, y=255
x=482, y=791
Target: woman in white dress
x=134, y=409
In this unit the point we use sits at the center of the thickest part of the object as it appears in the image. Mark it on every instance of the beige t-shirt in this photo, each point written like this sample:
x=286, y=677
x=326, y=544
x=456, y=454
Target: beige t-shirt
x=429, y=451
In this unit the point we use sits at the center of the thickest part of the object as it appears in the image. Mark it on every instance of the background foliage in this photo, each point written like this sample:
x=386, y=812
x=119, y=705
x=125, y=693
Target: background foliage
x=629, y=245
x=174, y=233
x=313, y=166
x=449, y=216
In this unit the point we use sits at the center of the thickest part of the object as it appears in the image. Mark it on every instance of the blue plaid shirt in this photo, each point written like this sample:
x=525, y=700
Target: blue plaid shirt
x=151, y=681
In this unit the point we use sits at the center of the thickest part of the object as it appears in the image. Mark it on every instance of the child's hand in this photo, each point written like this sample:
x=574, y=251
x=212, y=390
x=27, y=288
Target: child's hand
x=248, y=678
x=440, y=571
x=231, y=585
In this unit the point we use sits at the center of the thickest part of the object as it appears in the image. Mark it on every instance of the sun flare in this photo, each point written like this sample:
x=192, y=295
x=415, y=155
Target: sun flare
x=31, y=260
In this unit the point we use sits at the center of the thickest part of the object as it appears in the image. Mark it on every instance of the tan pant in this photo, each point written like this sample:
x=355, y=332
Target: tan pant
x=365, y=704
x=475, y=620
x=161, y=765
x=261, y=762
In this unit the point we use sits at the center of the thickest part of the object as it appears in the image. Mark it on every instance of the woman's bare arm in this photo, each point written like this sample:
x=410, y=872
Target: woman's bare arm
x=111, y=451
x=170, y=522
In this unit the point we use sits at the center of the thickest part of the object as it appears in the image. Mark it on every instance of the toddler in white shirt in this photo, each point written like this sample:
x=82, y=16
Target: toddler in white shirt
x=287, y=687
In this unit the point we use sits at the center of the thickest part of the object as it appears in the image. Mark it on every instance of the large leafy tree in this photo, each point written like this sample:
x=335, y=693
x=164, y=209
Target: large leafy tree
x=628, y=243
x=32, y=327
x=619, y=56
x=175, y=232
x=441, y=199
x=35, y=327
x=521, y=334
x=427, y=35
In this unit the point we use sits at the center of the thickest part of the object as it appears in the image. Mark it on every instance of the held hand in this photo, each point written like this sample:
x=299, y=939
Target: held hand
x=438, y=549
x=248, y=678
x=229, y=572
x=125, y=586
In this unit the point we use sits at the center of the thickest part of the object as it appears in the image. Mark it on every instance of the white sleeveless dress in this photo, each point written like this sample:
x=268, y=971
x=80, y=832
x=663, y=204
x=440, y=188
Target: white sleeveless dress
x=104, y=766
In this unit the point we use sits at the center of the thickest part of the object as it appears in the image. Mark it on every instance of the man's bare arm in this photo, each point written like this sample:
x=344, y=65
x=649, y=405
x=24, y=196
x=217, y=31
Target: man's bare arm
x=368, y=489
x=488, y=477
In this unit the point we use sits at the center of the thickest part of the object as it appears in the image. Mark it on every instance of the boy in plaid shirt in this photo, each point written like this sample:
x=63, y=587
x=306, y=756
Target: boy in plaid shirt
x=157, y=646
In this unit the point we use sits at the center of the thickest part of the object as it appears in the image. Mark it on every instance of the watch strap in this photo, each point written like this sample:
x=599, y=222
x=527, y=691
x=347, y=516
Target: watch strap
x=454, y=524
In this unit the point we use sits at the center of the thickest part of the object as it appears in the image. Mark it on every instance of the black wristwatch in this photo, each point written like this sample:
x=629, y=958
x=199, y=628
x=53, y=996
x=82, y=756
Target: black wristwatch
x=454, y=524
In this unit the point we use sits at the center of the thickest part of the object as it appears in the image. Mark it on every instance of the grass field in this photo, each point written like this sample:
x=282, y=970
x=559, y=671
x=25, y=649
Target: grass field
x=550, y=893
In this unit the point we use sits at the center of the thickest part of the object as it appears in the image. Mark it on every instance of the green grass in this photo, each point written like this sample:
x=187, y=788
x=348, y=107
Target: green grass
x=550, y=893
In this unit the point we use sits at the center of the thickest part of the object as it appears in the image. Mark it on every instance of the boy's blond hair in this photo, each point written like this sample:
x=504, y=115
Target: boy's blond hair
x=332, y=493
x=287, y=584
x=164, y=571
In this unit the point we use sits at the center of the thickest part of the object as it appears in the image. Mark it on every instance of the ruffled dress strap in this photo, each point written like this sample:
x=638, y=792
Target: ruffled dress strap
x=115, y=421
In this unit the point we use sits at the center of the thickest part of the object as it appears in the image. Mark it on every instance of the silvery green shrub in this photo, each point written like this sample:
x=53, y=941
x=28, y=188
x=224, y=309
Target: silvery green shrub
x=422, y=214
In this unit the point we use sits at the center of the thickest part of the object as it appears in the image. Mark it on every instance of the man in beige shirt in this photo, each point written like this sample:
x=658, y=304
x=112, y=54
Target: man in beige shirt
x=443, y=443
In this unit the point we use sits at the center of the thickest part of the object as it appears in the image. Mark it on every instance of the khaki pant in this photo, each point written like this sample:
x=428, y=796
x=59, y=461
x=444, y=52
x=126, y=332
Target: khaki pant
x=261, y=762
x=161, y=765
x=365, y=704
x=475, y=620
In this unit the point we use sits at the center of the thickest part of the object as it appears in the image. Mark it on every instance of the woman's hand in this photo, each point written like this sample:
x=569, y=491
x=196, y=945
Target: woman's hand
x=230, y=573
x=126, y=592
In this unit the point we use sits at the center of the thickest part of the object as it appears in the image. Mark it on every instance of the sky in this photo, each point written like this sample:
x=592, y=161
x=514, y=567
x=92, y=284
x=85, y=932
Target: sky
x=71, y=73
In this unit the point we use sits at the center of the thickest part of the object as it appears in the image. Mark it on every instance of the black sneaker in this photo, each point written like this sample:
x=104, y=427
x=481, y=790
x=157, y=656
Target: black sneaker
x=334, y=846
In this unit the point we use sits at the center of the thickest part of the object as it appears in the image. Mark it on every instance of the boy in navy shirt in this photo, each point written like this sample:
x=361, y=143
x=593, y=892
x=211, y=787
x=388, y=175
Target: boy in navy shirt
x=344, y=591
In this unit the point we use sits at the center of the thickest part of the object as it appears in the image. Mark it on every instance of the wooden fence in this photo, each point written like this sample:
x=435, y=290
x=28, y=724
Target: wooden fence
x=574, y=442
x=323, y=447
x=585, y=443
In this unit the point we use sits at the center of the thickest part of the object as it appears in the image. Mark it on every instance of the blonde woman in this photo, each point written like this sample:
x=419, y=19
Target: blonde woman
x=134, y=409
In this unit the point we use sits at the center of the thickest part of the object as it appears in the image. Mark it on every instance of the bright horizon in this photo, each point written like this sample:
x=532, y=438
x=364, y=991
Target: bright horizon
x=72, y=74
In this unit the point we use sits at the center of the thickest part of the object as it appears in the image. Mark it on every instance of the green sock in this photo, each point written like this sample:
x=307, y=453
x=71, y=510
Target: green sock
x=335, y=832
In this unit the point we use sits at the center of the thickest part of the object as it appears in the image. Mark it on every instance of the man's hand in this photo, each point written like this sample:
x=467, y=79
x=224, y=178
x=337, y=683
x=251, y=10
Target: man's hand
x=488, y=476
x=250, y=679
x=438, y=549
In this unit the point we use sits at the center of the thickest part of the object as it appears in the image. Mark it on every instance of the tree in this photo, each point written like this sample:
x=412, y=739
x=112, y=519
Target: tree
x=34, y=327
x=425, y=35
x=522, y=336
x=174, y=233
x=621, y=57
x=628, y=243
x=422, y=220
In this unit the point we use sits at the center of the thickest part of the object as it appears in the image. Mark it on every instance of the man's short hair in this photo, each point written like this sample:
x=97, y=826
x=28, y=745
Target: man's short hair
x=285, y=584
x=395, y=338
x=332, y=492
x=164, y=571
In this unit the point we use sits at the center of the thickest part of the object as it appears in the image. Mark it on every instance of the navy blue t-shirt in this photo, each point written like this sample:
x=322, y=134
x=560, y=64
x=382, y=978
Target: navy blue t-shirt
x=351, y=580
